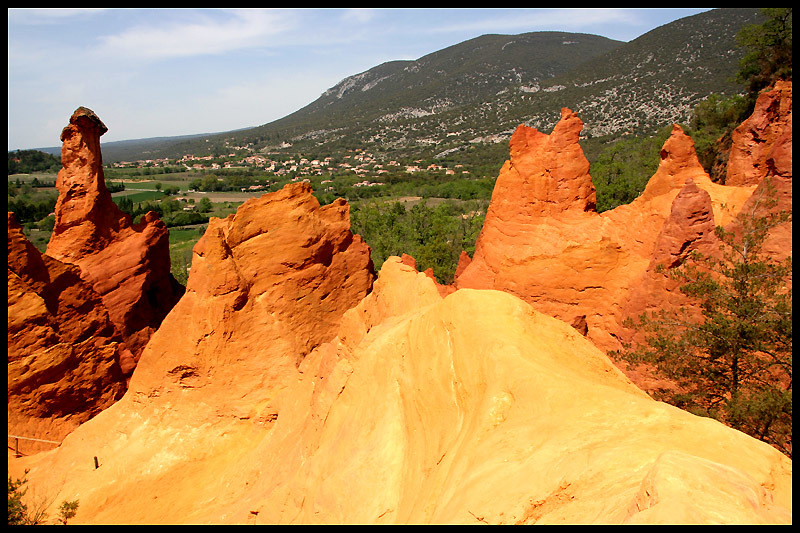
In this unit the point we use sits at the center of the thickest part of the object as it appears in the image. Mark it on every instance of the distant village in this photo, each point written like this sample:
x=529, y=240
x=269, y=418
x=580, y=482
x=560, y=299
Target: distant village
x=359, y=162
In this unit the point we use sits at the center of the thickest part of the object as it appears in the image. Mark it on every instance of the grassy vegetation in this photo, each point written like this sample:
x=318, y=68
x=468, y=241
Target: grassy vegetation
x=181, y=242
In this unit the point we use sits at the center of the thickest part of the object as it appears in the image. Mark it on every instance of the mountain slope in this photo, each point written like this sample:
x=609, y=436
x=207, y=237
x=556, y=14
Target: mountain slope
x=455, y=76
x=381, y=106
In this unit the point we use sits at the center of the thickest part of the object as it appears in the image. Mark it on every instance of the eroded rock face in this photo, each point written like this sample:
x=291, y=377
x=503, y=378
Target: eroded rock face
x=63, y=350
x=546, y=178
x=290, y=386
x=762, y=161
x=689, y=228
x=767, y=141
x=546, y=175
x=543, y=242
x=268, y=285
x=127, y=264
x=754, y=139
x=86, y=217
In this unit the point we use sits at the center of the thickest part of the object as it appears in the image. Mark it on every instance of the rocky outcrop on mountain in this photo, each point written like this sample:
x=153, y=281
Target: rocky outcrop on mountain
x=688, y=228
x=544, y=242
x=761, y=163
x=127, y=264
x=547, y=175
x=763, y=154
x=63, y=350
x=472, y=408
x=754, y=139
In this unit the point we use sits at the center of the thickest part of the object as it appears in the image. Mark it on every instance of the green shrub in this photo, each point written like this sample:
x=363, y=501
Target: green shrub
x=20, y=514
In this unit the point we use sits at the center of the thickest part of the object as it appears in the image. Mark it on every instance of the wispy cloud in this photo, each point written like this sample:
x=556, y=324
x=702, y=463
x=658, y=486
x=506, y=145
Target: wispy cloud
x=567, y=19
x=51, y=15
x=194, y=34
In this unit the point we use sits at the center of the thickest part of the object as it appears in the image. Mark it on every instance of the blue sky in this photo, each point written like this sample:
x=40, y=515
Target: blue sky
x=166, y=72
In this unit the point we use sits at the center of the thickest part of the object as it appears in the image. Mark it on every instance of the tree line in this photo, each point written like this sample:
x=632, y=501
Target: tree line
x=29, y=161
x=170, y=211
x=434, y=236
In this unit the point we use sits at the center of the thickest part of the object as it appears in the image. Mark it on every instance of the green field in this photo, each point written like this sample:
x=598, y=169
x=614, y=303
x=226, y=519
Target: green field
x=181, y=242
x=139, y=196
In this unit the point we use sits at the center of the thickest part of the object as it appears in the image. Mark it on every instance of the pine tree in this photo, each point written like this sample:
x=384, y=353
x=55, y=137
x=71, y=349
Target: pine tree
x=734, y=363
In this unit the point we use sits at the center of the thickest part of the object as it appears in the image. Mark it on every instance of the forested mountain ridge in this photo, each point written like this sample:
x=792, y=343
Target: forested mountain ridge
x=473, y=94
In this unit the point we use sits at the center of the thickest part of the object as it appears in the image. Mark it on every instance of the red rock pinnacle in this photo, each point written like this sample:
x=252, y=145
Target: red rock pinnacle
x=127, y=264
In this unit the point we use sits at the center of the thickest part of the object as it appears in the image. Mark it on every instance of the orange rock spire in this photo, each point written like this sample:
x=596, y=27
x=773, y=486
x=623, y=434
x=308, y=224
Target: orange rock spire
x=127, y=264
x=544, y=242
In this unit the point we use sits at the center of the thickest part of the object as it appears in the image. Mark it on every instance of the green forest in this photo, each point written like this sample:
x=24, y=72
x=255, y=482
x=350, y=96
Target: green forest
x=29, y=161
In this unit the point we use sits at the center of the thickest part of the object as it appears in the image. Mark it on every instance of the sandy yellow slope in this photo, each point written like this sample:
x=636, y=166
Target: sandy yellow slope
x=468, y=409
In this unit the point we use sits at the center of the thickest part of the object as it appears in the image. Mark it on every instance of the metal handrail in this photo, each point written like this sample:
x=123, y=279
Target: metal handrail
x=31, y=438
x=16, y=438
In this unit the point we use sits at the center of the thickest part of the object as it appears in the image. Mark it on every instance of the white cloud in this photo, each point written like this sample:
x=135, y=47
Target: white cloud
x=194, y=34
x=527, y=20
x=50, y=15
